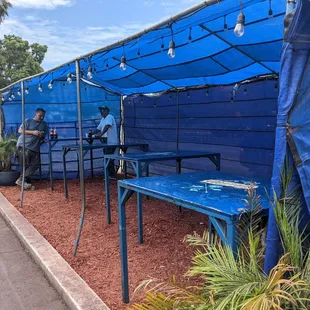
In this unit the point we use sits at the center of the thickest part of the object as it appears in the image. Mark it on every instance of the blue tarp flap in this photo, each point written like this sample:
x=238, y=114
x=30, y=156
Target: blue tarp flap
x=293, y=120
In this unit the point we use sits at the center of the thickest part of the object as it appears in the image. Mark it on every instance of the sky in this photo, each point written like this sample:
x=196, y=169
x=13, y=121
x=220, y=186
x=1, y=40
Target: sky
x=71, y=28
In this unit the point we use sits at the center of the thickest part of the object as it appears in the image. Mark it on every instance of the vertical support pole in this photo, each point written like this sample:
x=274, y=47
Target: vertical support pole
x=81, y=157
x=178, y=118
x=139, y=206
x=106, y=162
x=123, y=244
x=122, y=134
x=91, y=162
x=24, y=139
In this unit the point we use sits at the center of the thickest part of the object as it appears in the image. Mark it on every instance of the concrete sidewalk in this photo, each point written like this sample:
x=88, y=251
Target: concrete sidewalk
x=22, y=284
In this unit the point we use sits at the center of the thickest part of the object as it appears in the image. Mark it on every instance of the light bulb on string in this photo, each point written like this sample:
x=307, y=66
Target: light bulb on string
x=225, y=24
x=245, y=91
x=12, y=95
x=50, y=84
x=10, y=98
x=239, y=29
x=207, y=92
x=139, y=53
x=19, y=92
x=171, y=51
x=190, y=38
x=2, y=72
x=123, y=63
x=2, y=98
x=270, y=12
x=69, y=78
x=27, y=91
x=40, y=89
x=90, y=72
x=162, y=44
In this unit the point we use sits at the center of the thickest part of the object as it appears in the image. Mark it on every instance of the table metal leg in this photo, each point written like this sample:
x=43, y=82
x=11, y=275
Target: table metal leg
x=179, y=169
x=50, y=165
x=231, y=236
x=91, y=163
x=125, y=169
x=106, y=162
x=65, y=173
x=123, y=244
x=139, y=206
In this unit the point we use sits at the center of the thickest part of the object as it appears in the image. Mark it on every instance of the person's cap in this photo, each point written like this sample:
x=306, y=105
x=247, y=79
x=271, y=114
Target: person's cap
x=102, y=108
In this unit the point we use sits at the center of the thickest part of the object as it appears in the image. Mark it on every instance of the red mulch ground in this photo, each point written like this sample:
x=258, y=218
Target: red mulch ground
x=162, y=255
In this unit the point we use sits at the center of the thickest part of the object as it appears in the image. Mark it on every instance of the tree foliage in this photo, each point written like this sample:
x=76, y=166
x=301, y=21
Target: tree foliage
x=4, y=6
x=19, y=59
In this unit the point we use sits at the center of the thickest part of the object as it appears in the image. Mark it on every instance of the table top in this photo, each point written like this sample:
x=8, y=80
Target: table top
x=75, y=139
x=102, y=146
x=215, y=191
x=151, y=156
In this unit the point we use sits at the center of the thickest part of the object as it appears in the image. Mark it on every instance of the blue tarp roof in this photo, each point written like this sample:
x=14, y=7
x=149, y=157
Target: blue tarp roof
x=213, y=55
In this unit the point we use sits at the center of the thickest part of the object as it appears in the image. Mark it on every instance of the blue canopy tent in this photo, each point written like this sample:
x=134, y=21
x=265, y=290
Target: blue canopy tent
x=207, y=53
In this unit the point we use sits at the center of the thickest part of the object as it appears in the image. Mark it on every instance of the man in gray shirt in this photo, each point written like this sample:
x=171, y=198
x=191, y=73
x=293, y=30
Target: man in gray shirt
x=35, y=131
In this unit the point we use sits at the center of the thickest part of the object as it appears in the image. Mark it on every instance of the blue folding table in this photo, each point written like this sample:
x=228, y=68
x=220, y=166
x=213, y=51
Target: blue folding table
x=90, y=147
x=140, y=163
x=218, y=195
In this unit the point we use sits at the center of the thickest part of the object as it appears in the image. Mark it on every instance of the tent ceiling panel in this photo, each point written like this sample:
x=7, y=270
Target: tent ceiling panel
x=206, y=52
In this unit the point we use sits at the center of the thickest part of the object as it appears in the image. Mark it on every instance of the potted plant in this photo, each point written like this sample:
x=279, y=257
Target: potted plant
x=7, y=152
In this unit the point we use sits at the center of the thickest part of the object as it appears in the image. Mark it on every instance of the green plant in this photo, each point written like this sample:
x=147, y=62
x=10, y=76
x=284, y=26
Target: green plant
x=237, y=282
x=7, y=151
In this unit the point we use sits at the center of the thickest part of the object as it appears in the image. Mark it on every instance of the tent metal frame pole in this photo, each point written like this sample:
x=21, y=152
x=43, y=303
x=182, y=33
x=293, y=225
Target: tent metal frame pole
x=24, y=143
x=119, y=43
x=237, y=48
x=178, y=118
x=81, y=159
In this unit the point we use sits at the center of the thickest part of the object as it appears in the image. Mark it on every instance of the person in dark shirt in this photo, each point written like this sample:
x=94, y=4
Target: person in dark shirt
x=35, y=131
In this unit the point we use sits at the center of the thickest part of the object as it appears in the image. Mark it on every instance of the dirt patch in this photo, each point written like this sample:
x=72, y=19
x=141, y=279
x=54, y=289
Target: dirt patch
x=162, y=255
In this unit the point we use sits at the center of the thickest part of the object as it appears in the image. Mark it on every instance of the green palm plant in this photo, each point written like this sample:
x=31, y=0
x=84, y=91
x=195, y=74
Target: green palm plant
x=237, y=282
x=7, y=151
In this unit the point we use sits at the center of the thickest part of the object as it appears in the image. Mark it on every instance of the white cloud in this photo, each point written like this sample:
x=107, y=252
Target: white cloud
x=66, y=43
x=166, y=3
x=41, y=4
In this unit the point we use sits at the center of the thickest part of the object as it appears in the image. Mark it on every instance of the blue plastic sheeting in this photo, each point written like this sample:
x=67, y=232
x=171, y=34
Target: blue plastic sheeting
x=60, y=103
x=206, y=52
x=241, y=129
x=292, y=123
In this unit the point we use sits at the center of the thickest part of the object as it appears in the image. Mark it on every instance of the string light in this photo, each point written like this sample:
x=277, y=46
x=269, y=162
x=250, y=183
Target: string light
x=19, y=92
x=50, y=84
x=225, y=24
x=12, y=95
x=239, y=29
x=123, y=63
x=171, y=51
x=190, y=38
x=40, y=89
x=90, y=72
x=27, y=90
x=69, y=78
x=10, y=98
x=139, y=53
x=245, y=91
x=188, y=95
x=2, y=97
x=123, y=60
x=162, y=44
x=207, y=92
x=270, y=12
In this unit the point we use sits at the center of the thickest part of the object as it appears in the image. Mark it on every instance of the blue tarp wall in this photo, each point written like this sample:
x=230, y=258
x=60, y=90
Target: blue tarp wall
x=293, y=122
x=60, y=104
x=240, y=127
